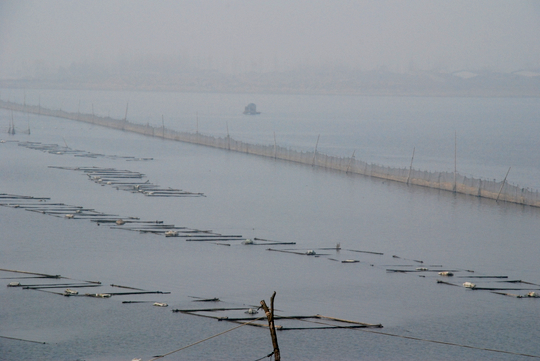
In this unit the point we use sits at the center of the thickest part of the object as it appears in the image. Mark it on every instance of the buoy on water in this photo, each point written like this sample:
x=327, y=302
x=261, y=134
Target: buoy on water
x=446, y=274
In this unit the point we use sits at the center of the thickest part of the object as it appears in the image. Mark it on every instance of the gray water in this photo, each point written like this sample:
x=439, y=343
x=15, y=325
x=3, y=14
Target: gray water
x=258, y=197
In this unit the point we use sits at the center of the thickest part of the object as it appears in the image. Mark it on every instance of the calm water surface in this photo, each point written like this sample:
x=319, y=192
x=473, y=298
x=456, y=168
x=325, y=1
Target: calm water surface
x=257, y=197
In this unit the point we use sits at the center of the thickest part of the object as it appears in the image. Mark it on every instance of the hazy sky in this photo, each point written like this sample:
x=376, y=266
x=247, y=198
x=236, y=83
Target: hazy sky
x=272, y=35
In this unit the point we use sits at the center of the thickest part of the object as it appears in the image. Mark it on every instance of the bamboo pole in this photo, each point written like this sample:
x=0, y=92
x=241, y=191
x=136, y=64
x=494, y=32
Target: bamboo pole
x=21, y=339
x=315, y=153
x=410, y=167
x=455, y=162
x=271, y=326
x=32, y=273
x=350, y=161
x=502, y=185
x=192, y=311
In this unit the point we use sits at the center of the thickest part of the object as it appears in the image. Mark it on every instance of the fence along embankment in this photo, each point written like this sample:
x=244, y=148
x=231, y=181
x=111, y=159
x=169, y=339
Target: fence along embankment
x=447, y=181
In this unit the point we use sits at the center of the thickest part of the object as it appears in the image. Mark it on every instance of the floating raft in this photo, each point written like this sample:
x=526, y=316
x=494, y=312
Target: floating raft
x=309, y=252
x=61, y=210
x=117, y=178
x=473, y=286
x=69, y=287
x=63, y=150
x=316, y=322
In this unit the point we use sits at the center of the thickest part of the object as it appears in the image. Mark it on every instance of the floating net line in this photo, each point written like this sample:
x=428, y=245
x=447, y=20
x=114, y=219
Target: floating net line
x=447, y=181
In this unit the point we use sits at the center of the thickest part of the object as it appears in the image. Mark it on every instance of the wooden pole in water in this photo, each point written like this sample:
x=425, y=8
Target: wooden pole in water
x=410, y=168
x=350, y=161
x=125, y=116
x=162, y=127
x=275, y=145
x=271, y=326
x=455, y=161
x=228, y=137
x=502, y=185
x=315, y=153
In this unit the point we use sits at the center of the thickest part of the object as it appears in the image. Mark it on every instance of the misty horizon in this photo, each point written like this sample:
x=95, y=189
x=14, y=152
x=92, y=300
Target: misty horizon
x=40, y=38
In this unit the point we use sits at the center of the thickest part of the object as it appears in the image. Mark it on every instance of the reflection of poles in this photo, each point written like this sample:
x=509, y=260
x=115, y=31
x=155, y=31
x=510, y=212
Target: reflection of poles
x=502, y=185
x=270, y=316
x=410, y=168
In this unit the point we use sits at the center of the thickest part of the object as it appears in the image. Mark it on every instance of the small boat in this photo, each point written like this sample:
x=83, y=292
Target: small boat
x=251, y=311
x=69, y=216
x=14, y=284
x=310, y=252
x=120, y=222
x=350, y=261
x=171, y=234
x=469, y=285
x=247, y=241
x=160, y=304
x=533, y=294
x=251, y=109
x=70, y=292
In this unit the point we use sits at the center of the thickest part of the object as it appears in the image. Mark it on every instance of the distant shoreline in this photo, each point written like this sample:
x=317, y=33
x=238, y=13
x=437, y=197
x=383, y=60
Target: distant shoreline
x=530, y=90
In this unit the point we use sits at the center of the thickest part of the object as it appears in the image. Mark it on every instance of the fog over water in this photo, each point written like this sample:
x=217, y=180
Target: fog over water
x=240, y=36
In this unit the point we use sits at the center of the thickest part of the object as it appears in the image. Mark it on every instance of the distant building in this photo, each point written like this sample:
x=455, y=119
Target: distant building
x=251, y=109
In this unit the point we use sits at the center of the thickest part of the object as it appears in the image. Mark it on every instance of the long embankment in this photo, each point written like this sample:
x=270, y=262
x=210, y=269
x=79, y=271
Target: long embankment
x=447, y=181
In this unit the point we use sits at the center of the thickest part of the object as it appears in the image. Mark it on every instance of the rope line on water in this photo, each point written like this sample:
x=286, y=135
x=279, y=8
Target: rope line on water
x=451, y=344
x=427, y=340
x=356, y=329
x=269, y=355
x=208, y=338
x=21, y=339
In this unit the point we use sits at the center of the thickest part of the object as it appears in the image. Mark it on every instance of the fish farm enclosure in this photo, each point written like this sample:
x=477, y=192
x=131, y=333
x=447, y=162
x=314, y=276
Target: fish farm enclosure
x=454, y=182
x=123, y=241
